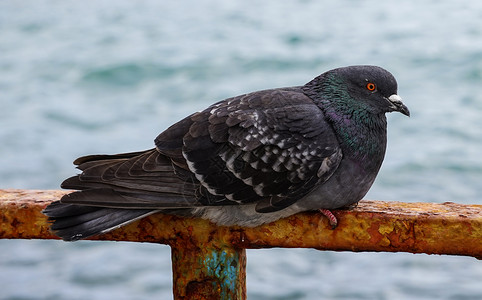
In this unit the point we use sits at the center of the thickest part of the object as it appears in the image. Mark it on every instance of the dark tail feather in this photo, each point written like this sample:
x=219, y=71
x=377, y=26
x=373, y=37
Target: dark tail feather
x=114, y=190
x=74, y=222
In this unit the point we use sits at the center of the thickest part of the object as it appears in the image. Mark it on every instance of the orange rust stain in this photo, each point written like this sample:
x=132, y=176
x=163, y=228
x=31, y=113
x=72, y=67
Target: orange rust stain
x=295, y=221
x=376, y=237
x=448, y=228
x=265, y=230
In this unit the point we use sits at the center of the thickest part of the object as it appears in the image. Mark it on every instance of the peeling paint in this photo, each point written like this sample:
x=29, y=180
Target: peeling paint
x=223, y=265
x=385, y=229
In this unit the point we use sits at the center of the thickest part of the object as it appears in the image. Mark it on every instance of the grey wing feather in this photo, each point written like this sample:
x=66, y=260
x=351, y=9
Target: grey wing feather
x=141, y=180
x=270, y=147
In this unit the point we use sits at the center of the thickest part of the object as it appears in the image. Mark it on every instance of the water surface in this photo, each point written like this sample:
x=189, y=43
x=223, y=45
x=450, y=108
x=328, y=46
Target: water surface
x=107, y=76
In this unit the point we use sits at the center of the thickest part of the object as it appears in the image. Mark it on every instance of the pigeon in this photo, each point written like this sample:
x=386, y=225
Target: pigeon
x=244, y=161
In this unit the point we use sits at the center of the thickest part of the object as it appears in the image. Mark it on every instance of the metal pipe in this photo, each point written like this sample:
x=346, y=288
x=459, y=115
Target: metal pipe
x=210, y=260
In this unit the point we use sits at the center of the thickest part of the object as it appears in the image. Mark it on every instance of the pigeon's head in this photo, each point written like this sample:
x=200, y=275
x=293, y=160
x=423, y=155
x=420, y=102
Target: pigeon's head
x=358, y=89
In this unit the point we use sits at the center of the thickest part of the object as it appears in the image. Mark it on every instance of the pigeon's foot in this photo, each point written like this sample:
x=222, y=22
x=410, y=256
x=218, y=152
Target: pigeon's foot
x=331, y=217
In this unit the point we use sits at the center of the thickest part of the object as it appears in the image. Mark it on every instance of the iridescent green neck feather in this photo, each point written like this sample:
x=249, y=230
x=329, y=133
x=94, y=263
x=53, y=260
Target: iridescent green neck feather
x=356, y=127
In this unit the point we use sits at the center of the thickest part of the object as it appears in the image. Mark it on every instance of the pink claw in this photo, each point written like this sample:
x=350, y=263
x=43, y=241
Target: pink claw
x=331, y=217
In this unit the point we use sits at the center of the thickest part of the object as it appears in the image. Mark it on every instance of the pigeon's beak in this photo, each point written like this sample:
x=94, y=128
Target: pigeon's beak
x=396, y=104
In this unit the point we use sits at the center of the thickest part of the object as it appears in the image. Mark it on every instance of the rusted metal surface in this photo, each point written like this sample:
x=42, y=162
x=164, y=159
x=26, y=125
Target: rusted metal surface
x=209, y=261
x=447, y=228
x=209, y=271
x=20, y=213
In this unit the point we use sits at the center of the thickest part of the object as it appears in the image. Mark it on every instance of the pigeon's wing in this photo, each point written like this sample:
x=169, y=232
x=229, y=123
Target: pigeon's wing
x=269, y=147
x=114, y=190
x=138, y=180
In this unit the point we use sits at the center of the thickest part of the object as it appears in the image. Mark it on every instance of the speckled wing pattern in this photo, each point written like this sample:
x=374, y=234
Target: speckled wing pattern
x=135, y=180
x=270, y=147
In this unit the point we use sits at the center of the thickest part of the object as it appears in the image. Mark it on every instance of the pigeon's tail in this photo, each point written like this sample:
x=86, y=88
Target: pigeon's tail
x=74, y=222
x=114, y=190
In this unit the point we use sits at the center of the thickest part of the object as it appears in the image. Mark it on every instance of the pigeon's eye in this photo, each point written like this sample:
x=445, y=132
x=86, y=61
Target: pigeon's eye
x=371, y=86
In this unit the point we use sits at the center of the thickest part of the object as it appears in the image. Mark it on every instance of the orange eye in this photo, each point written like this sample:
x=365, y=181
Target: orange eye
x=371, y=86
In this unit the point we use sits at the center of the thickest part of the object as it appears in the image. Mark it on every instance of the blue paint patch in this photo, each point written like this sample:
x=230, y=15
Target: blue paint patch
x=225, y=267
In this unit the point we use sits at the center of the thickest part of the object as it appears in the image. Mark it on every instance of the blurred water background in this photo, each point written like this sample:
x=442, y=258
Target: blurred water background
x=84, y=77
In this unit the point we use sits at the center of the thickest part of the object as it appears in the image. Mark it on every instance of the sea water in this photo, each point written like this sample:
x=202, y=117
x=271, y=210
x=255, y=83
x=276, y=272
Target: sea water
x=85, y=77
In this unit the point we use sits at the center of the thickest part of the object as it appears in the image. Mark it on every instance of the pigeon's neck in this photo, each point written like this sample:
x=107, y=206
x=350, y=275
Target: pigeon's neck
x=359, y=131
x=363, y=136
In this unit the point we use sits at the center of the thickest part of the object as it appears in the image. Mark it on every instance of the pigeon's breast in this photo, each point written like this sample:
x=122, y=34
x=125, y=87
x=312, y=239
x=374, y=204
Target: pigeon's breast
x=348, y=185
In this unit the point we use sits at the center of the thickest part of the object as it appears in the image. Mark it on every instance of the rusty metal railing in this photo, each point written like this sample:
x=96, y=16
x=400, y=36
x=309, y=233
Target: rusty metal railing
x=209, y=262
